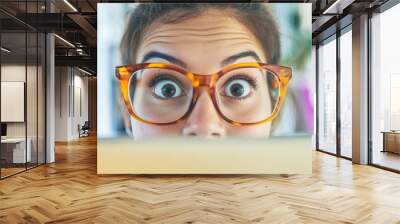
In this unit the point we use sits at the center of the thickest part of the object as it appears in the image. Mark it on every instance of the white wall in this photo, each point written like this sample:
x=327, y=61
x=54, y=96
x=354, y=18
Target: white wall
x=71, y=94
x=61, y=103
x=80, y=100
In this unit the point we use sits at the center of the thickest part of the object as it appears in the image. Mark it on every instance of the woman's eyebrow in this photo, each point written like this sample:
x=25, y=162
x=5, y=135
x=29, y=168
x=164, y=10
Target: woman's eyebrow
x=171, y=59
x=233, y=58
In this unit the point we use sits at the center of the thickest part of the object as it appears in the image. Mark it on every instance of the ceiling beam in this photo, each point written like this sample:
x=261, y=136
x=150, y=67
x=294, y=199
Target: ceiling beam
x=82, y=61
x=83, y=23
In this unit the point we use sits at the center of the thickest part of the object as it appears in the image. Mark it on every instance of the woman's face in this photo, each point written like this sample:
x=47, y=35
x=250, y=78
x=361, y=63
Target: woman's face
x=203, y=45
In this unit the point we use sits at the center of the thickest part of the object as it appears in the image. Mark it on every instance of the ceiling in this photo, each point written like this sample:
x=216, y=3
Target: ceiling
x=76, y=22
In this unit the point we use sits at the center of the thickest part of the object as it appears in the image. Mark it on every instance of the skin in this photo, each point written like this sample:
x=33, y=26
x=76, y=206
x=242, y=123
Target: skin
x=202, y=43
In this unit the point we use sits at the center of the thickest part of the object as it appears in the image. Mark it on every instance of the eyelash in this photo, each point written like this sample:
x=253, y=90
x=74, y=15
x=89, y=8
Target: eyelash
x=253, y=82
x=162, y=78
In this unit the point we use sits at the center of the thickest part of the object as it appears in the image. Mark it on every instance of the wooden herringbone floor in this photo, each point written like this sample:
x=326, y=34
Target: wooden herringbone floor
x=69, y=191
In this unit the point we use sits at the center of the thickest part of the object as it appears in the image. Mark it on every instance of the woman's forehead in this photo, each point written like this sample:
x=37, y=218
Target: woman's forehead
x=209, y=23
x=207, y=36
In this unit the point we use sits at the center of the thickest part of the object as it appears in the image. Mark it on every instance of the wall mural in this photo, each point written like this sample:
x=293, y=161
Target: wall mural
x=204, y=88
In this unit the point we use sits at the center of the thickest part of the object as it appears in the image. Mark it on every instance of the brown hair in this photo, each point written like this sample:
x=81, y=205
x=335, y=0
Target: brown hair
x=257, y=17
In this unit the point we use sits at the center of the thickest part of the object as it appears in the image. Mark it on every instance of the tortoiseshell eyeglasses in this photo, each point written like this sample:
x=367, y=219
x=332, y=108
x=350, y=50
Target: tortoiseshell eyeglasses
x=242, y=94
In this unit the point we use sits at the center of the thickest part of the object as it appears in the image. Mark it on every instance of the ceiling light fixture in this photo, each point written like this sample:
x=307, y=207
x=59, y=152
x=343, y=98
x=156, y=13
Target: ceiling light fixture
x=328, y=10
x=84, y=71
x=70, y=5
x=337, y=7
x=65, y=41
x=5, y=50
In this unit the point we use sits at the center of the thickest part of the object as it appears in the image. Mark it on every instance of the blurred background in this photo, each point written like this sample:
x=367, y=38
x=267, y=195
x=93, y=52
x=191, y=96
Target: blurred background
x=294, y=22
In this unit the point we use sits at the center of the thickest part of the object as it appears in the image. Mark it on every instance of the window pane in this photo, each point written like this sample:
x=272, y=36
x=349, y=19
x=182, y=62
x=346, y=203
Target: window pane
x=327, y=97
x=386, y=89
x=346, y=94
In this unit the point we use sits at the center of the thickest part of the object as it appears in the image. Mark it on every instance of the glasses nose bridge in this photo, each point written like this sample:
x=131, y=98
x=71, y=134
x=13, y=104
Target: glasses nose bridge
x=208, y=80
x=203, y=83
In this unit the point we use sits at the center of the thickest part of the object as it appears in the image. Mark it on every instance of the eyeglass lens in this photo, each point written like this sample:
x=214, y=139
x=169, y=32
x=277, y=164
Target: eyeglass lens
x=244, y=95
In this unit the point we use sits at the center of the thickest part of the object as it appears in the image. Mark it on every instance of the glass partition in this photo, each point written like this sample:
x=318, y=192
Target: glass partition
x=14, y=154
x=22, y=91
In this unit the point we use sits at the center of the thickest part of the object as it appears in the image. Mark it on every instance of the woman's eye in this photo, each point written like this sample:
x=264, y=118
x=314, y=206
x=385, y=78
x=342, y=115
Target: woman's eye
x=167, y=89
x=238, y=88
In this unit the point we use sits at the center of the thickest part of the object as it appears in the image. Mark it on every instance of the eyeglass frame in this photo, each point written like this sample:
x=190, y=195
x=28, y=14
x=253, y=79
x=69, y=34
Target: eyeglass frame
x=282, y=74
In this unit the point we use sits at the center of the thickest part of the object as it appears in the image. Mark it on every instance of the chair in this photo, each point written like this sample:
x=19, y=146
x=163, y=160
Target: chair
x=84, y=130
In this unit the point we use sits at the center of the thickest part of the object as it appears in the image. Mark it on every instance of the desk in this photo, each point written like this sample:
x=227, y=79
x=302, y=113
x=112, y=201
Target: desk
x=18, y=151
x=391, y=141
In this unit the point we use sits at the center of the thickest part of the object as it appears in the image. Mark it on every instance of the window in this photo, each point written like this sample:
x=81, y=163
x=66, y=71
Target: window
x=385, y=89
x=327, y=96
x=346, y=93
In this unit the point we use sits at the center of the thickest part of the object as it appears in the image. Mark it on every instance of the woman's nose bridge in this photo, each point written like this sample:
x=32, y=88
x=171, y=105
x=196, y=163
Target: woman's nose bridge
x=204, y=100
x=199, y=92
x=204, y=119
